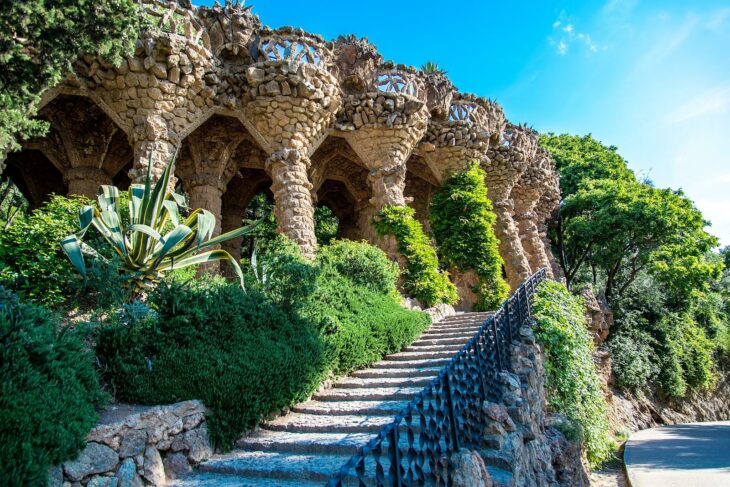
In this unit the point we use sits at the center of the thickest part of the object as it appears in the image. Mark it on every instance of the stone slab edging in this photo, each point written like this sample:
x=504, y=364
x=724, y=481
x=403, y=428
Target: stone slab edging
x=134, y=446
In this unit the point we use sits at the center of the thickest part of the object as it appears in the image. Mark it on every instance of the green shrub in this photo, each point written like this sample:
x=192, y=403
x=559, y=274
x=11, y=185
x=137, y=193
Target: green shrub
x=686, y=355
x=359, y=324
x=326, y=225
x=574, y=388
x=281, y=272
x=633, y=361
x=362, y=263
x=462, y=221
x=422, y=278
x=49, y=392
x=31, y=261
x=240, y=354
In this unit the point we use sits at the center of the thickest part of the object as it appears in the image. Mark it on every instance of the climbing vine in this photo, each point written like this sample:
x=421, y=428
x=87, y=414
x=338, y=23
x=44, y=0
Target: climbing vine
x=574, y=388
x=422, y=278
x=462, y=221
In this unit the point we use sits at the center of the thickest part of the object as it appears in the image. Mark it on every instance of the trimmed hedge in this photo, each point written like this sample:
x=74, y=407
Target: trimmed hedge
x=462, y=222
x=48, y=392
x=574, y=388
x=422, y=278
x=362, y=263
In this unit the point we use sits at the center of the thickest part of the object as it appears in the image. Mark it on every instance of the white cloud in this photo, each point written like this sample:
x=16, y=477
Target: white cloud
x=712, y=101
x=618, y=7
x=566, y=35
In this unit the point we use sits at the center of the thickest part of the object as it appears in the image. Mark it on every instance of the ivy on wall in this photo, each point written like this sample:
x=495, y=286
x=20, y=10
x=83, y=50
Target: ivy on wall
x=462, y=221
x=422, y=278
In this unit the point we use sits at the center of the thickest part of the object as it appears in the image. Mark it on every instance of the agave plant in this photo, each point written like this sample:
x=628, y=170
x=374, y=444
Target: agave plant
x=432, y=68
x=156, y=239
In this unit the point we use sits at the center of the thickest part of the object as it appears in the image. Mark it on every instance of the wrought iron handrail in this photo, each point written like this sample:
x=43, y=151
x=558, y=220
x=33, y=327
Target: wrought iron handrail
x=447, y=414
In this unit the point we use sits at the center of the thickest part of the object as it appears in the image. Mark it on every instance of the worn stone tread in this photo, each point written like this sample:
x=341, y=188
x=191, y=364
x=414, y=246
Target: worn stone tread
x=210, y=479
x=420, y=355
x=360, y=383
x=410, y=364
x=318, y=423
x=330, y=408
x=364, y=394
x=397, y=372
x=288, y=466
x=282, y=441
x=439, y=347
x=442, y=341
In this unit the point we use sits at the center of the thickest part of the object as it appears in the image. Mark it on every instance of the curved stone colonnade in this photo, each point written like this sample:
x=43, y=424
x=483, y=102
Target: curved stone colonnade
x=249, y=109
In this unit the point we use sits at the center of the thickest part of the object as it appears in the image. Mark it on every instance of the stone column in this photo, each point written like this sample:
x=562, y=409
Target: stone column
x=293, y=197
x=515, y=262
x=206, y=192
x=152, y=140
x=85, y=181
x=231, y=217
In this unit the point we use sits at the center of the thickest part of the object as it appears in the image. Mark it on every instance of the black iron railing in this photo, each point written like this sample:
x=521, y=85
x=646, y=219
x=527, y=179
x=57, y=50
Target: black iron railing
x=448, y=414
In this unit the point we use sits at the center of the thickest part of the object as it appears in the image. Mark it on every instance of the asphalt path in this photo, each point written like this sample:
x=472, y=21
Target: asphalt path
x=681, y=455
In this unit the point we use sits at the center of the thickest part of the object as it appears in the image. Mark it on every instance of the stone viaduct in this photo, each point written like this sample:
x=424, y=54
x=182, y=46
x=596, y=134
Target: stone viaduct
x=250, y=109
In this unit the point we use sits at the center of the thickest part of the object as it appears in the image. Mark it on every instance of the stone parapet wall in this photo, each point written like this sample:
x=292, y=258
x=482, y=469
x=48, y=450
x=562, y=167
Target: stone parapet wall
x=136, y=446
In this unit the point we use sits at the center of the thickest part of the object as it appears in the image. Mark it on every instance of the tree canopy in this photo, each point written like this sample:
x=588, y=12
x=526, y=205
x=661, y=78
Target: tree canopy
x=39, y=39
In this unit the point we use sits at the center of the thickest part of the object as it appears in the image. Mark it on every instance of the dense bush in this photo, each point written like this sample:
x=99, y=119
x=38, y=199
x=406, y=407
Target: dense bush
x=49, y=392
x=249, y=354
x=31, y=260
x=361, y=263
x=632, y=359
x=422, y=278
x=574, y=388
x=239, y=353
x=326, y=225
x=462, y=221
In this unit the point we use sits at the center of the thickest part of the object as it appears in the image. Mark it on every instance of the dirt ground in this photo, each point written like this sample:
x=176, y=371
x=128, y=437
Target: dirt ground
x=612, y=476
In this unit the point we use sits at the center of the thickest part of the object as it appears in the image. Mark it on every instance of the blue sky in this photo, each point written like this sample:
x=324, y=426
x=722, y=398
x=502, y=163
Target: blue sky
x=651, y=77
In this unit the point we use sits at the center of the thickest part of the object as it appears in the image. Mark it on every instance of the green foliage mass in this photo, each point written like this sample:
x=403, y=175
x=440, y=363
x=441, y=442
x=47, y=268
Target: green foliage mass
x=462, y=222
x=621, y=228
x=38, y=42
x=422, y=278
x=49, y=392
x=363, y=264
x=580, y=159
x=574, y=388
x=326, y=225
x=250, y=354
x=31, y=261
x=648, y=250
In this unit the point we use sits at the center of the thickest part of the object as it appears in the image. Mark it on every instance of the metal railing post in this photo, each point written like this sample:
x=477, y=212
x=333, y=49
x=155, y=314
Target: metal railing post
x=452, y=414
x=394, y=454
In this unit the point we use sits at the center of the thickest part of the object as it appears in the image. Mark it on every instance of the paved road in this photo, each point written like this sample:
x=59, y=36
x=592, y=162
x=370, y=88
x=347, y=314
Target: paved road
x=683, y=455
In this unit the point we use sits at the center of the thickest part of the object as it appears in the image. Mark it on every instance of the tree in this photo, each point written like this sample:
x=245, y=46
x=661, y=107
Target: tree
x=39, y=39
x=620, y=227
x=581, y=159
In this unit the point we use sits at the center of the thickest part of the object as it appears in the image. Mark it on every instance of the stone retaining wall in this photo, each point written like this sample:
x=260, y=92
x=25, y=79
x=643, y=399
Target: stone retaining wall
x=136, y=446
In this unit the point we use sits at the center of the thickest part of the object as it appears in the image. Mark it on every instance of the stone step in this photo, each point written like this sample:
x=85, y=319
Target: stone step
x=410, y=356
x=310, y=443
x=448, y=347
x=430, y=372
x=366, y=394
x=317, y=423
x=411, y=364
x=358, y=382
x=458, y=340
x=438, y=335
x=274, y=465
x=334, y=408
x=212, y=479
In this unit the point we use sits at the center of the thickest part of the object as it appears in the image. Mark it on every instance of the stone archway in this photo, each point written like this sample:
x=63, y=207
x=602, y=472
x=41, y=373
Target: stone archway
x=84, y=144
x=35, y=176
x=420, y=185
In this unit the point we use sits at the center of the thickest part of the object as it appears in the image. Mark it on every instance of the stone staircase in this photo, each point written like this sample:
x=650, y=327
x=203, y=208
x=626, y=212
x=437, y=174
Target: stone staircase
x=305, y=447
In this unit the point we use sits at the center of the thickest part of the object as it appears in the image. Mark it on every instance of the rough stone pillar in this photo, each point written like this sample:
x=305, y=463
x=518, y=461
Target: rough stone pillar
x=152, y=140
x=85, y=181
x=231, y=219
x=206, y=192
x=293, y=197
x=507, y=161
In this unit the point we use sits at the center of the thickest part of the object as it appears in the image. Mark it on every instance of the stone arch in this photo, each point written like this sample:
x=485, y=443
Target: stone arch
x=35, y=176
x=84, y=144
x=421, y=183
